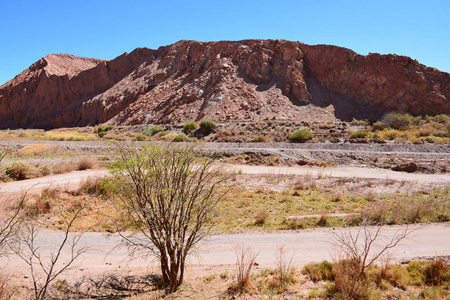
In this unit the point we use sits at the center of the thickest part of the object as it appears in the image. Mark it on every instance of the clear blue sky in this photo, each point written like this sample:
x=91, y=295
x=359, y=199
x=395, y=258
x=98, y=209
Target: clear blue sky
x=32, y=29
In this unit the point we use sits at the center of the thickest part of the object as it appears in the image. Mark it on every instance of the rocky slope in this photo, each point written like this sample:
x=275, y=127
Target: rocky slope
x=224, y=81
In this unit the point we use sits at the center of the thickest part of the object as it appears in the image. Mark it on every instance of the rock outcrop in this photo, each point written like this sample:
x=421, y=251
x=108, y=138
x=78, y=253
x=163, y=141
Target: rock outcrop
x=225, y=81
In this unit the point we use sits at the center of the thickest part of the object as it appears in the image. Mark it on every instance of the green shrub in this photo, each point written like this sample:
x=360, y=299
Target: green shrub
x=23, y=134
x=300, y=136
x=162, y=134
x=190, y=127
x=181, y=137
x=140, y=137
x=153, y=130
x=99, y=128
x=207, y=126
x=397, y=120
x=360, y=135
x=438, y=118
x=102, y=130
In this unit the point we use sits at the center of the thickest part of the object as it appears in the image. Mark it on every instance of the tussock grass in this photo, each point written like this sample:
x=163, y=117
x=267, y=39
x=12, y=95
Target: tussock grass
x=417, y=279
x=86, y=163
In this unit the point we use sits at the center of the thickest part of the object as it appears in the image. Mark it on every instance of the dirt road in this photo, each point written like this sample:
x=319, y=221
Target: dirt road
x=351, y=172
x=67, y=179
x=312, y=245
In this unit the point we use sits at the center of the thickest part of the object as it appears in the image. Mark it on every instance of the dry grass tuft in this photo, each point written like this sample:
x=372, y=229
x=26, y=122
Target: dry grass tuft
x=92, y=186
x=21, y=171
x=349, y=282
x=62, y=168
x=261, y=217
x=245, y=259
x=436, y=271
x=319, y=271
x=86, y=164
x=42, y=150
x=38, y=206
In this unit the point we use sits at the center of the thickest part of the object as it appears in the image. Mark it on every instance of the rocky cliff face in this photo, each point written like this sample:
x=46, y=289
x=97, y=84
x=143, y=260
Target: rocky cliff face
x=224, y=81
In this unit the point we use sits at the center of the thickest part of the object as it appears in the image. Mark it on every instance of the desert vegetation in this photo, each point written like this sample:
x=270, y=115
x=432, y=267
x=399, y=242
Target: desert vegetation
x=189, y=127
x=394, y=127
x=169, y=195
x=403, y=127
x=254, y=202
x=300, y=136
x=207, y=126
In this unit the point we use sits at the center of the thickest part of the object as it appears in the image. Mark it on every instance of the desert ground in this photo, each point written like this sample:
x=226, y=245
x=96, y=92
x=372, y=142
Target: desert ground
x=354, y=173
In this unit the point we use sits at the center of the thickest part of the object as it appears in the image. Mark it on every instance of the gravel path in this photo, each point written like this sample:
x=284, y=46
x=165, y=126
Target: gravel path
x=311, y=245
x=317, y=151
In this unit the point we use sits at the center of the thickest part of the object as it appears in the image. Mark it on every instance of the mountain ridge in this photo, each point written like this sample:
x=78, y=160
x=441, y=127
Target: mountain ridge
x=225, y=81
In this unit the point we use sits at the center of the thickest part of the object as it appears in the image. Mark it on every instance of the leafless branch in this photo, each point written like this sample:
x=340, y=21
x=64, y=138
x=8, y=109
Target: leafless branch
x=365, y=244
x=44, y=269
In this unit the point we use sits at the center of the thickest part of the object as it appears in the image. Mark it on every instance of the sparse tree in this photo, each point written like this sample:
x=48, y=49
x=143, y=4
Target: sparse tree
x=169, y=194
x=44, y=269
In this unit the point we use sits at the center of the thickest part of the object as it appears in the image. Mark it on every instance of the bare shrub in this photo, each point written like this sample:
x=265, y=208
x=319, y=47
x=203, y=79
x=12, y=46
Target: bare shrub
x=62, y=168
x=44, y=170
x=245, y=259
x=358, y=249
x=260, y=139
x=21, y=171
x=46, y=269
x=366, y=244
x=6, y=291
x=38, y=206
x=86, y=163
x=11, y=214
x=51, y=192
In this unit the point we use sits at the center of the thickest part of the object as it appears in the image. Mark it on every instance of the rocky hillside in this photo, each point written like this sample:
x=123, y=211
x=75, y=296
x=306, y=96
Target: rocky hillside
x=224, y=81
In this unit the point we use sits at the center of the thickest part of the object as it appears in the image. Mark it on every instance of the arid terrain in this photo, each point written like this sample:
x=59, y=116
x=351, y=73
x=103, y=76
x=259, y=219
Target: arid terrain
x=106, y=270
x=333, y=170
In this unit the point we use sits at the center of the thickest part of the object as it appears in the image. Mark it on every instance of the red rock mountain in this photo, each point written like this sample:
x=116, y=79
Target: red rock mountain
x=224, y=81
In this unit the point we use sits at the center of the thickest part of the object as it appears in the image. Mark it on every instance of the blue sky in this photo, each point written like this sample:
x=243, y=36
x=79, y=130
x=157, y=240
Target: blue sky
x=32, y=29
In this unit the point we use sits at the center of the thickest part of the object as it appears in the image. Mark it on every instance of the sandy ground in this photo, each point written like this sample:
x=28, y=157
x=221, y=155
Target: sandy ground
x=73, y=178
x=218, y=251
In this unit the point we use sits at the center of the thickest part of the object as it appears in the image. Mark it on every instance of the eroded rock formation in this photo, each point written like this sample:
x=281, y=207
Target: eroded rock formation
x=224, y=81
